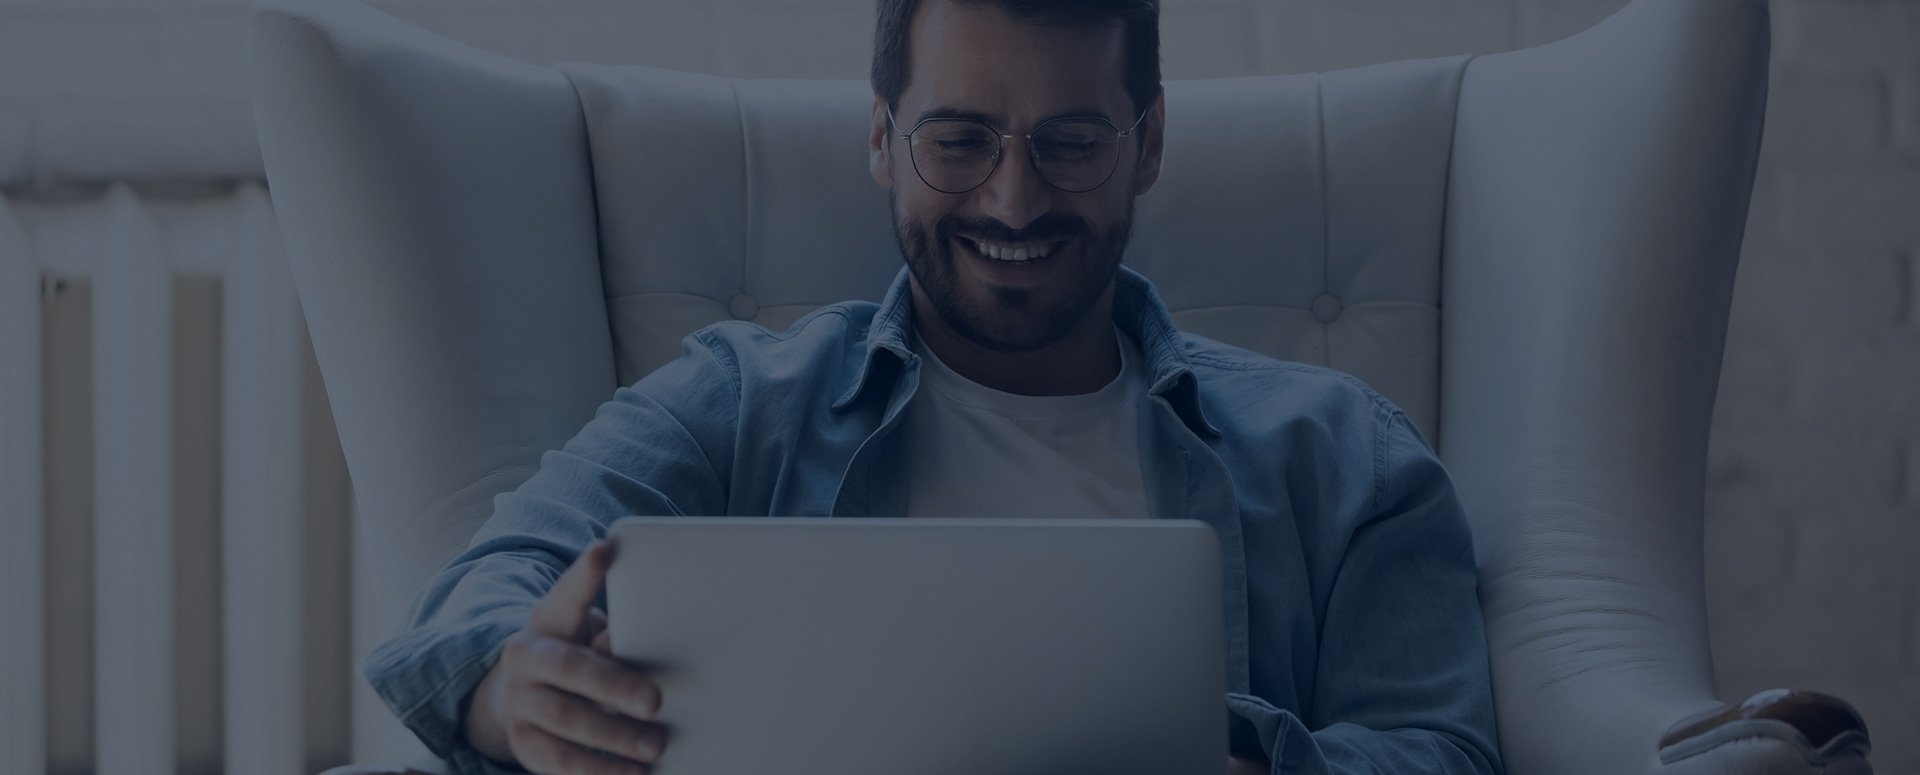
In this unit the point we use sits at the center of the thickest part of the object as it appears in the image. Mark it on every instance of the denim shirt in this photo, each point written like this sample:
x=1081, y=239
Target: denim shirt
x=1354, y=637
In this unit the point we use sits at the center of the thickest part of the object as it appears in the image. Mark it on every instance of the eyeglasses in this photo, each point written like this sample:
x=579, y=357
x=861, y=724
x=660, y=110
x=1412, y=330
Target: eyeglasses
x=957, y=155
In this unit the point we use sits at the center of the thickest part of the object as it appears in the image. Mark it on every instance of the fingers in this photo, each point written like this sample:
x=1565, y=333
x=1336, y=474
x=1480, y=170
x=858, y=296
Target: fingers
x=603, y=642
x=590, y=674
x=578, y=721
x=543, y=752
x=563, y=611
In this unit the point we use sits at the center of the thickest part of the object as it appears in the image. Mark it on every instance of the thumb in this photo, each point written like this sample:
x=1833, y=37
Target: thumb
x=561, y=613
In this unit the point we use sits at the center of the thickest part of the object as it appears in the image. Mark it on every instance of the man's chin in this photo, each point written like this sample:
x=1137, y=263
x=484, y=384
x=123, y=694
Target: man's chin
x=999, y=338
x=1012, y=320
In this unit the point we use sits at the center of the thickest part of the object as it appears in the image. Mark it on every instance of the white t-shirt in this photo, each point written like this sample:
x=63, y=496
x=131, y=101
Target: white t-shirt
x=980, y=452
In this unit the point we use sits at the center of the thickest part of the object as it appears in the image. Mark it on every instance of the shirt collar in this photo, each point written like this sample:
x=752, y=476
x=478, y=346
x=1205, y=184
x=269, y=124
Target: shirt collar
x=1137, y=310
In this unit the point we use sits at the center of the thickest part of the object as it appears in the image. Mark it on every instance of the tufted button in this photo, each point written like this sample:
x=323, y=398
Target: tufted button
x=743, y=307
x=1326, y=308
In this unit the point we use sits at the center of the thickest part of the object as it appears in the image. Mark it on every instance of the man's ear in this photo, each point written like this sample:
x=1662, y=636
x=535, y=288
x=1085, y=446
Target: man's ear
x=1153, y=141
x=878, y=141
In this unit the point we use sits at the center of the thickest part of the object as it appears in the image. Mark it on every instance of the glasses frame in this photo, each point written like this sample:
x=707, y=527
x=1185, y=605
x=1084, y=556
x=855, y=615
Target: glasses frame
x=1000, y=146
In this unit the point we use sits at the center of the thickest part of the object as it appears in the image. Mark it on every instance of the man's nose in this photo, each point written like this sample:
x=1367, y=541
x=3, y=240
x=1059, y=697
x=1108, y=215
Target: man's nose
x=1015, y=194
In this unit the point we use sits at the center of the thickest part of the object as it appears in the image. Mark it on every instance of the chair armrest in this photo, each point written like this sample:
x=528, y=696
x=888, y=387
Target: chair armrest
x=1820, y=718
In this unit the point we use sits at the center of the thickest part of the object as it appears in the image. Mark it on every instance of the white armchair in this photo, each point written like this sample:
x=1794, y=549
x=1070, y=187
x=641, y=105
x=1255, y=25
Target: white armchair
x=1531, y=252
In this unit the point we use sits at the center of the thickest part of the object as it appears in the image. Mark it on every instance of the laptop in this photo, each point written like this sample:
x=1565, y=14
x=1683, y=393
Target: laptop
x=809, y=646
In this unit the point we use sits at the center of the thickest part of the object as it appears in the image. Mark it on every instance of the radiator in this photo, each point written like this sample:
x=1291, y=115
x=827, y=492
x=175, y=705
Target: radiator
x=175, y=561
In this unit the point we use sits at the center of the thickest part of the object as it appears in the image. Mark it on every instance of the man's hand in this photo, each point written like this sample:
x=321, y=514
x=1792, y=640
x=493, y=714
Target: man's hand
x=557, y=702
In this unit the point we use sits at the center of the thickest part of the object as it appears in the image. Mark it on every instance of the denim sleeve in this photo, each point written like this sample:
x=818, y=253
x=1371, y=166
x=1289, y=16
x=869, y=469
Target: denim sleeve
x=660, y=447
x=1403, y=684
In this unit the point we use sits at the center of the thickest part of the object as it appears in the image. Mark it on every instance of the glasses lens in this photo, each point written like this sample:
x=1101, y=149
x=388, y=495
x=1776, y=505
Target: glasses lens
x=1076, y=155
x=954, y=155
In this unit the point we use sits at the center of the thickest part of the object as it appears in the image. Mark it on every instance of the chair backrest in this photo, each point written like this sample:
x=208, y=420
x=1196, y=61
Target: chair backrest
x=1299, y=216
x=1531, y=252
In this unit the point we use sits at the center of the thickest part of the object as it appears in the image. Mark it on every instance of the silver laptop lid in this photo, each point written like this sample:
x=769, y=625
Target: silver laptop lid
x=931, y=647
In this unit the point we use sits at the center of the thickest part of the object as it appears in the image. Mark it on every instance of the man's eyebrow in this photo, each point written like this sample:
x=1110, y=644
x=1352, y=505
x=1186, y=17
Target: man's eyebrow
x=972, y=115
x=993, y=121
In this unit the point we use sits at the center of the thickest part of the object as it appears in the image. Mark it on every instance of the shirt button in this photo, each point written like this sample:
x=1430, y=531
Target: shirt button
x=1326, y=308
x=743, y=307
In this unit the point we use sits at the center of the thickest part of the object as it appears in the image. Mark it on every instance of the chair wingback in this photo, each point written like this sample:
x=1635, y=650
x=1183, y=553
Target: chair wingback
x=1595, y=213
x=438, y=214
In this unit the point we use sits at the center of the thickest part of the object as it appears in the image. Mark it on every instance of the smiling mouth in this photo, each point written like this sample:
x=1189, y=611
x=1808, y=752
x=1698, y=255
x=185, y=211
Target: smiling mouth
x=1012, y=254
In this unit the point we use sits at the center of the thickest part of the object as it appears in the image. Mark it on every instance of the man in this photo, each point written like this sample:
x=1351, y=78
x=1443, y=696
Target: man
x=1015, y=369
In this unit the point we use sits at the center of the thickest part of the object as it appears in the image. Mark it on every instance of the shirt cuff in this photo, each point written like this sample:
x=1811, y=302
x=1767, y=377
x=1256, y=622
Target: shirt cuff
x=1257, y=723
x=426, y=675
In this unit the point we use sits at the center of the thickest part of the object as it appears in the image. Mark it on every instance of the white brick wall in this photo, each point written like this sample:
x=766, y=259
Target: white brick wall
x=1814, y=496
x=1814, y=493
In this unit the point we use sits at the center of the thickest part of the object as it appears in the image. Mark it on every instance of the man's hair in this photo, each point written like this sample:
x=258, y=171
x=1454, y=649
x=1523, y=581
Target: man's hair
x=892, y=57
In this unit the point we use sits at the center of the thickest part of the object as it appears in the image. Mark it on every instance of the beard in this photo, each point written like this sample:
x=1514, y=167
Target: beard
x=1001, y=318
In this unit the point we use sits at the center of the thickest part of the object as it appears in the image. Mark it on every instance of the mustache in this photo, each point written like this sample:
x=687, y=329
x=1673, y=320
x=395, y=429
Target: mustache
x=1050, y=227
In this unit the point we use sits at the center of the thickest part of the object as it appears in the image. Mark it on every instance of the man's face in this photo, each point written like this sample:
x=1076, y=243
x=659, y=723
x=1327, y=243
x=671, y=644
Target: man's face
x=973, y=60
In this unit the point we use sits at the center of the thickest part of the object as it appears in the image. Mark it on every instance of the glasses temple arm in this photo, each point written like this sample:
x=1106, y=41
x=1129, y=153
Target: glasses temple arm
x=895, y=125
x=1136, y=122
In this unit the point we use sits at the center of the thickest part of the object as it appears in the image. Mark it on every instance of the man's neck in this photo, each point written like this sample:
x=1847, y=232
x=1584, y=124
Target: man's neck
x=1083, y=361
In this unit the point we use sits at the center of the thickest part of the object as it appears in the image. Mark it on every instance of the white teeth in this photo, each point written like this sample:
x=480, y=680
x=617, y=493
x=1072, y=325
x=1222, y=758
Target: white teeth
x=1011, y=255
